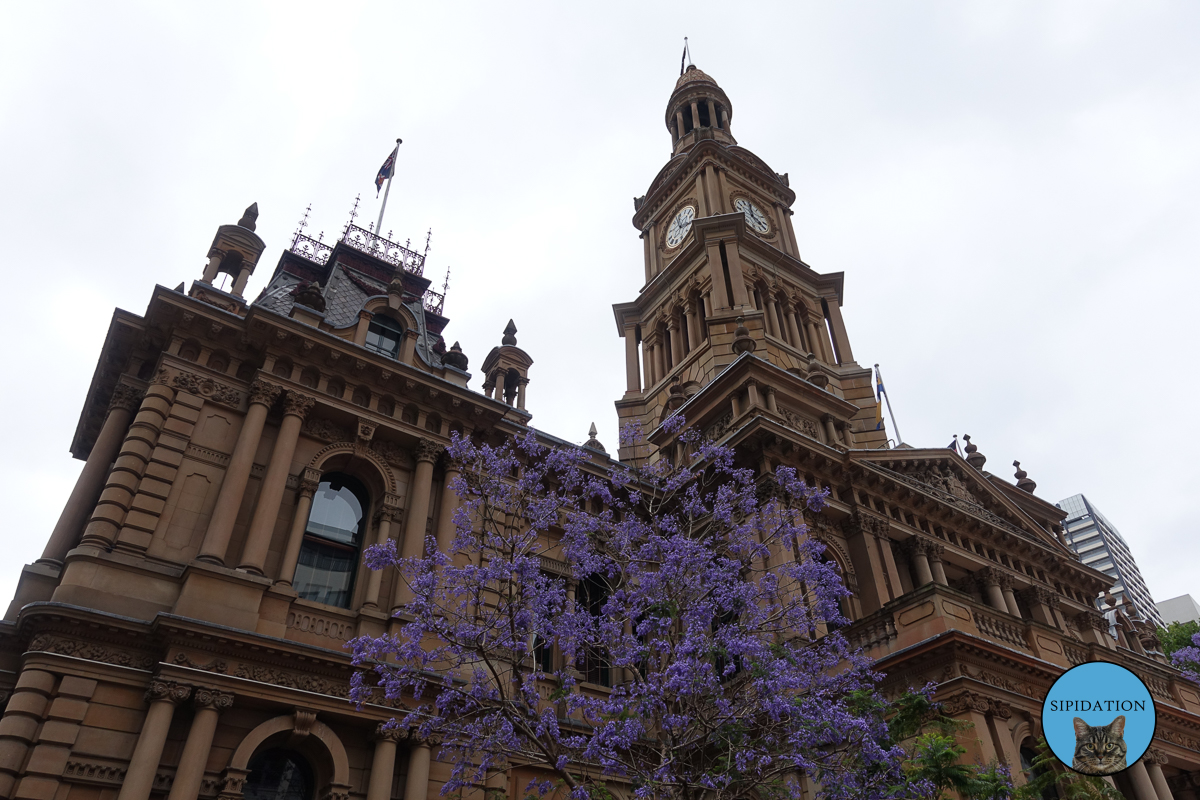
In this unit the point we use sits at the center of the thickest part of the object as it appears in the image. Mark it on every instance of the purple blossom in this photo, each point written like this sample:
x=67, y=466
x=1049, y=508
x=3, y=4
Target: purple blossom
x=692, y=586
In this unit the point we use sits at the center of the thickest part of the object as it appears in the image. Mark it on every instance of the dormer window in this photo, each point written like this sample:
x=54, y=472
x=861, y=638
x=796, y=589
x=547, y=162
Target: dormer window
x=384, y=335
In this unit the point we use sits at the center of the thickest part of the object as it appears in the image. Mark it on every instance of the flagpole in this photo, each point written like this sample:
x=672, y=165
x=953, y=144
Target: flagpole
x=382, y=208
x=888, y=400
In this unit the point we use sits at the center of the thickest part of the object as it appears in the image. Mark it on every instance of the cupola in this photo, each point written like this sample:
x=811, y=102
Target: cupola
x=698, y=109
x=235, y=251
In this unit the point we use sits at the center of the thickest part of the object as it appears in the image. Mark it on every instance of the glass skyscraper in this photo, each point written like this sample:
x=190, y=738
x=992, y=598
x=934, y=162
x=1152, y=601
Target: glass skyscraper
x=1101, y=546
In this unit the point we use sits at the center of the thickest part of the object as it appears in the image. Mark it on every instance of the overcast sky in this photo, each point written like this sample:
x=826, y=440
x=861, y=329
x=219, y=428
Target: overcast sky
x=1011, y=190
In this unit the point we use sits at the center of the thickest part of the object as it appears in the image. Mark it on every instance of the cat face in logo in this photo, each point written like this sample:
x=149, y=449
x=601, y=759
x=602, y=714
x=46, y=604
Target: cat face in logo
x=1100, y=749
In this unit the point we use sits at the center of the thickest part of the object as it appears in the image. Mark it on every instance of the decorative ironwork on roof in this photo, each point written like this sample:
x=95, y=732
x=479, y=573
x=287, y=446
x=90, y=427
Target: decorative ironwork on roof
x=364, y=241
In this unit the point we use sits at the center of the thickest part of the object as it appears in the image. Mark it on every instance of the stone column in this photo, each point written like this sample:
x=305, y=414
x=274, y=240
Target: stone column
x=1041, y=605
x=1154, y=760
x=266, y=514
x=416, y=513
x=521, y=384
x=387, y=517
x=209, y=705
x=736, y=279
x=830, y=431
x=67, y=530
x=632, y=368
x=772, y=316
x=815, y=341
x=676, y=340
x=660, y=356
x=106, y=518
x=693, y=323
x=712, y=115
x=416, y=785
x=919, y=560
x=989, y=582
x=863, y=531
x=794, y=329
x=695, y=115
x=841, y=342
x=719, y=296
x=1143, y=787
x=772, y=405
x=22, y=718
x=237, y=474
x=934, y=552
x=383, y=764
x=679, y=122
x=445, y=524
x=309, y=484
x=139, y=778
x=1010, y=599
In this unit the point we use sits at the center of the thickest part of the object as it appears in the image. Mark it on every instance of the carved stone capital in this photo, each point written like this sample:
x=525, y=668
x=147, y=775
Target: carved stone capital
x=866, y=524
x=310, y=481
x=924, y=546
x=1155, y=756
x=1091, y=619
x=988, y=576
x=427, y=450
x=211, y=698
x=1039, y=595
x=169, y=691
x=264, y=393
x=392, y=734
x=297, y=404
x=126, y=397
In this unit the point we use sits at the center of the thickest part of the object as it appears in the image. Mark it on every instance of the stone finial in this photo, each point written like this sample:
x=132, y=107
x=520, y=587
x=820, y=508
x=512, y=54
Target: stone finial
x=309, y=294
x=816, y=375
x=593, y=443
x=1023, y=481
x=975, y=458
x=249, y=216
x=455, y=358
x=742, y=342
x=510, y=334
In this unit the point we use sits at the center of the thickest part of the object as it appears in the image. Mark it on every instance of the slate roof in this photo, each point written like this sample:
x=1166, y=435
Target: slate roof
x=345, y=295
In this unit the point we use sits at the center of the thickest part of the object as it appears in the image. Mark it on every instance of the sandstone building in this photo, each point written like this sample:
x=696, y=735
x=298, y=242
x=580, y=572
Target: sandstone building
x=181, y=635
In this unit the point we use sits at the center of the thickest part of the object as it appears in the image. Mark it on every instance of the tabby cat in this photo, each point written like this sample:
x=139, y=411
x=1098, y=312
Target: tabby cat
x=1099, y=749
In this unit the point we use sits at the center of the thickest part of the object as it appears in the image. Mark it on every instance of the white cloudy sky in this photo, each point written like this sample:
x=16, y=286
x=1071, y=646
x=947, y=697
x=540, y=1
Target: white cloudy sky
x=1010, y=189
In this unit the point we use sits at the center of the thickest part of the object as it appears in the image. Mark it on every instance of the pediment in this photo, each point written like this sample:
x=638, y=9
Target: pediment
x=954, y=482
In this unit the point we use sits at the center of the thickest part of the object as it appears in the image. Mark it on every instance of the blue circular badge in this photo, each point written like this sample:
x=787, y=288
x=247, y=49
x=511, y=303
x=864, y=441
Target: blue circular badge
x=1098, y=718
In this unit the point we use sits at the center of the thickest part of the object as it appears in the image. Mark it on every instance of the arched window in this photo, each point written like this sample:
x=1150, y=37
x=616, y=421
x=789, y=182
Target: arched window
x=325, y=571
x=384, y=335
x=593, y=594
x=279, y=774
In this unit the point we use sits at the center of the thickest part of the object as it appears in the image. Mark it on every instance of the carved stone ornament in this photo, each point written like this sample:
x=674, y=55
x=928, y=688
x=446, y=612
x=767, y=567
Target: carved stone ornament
x=264, y=393
x=1155, y=756
x=1091, y=619
x=169, y=691
x=126, y=397
x=366, y=431
x=303, y=721
x=989, y=576
x=867, y=524
x=390, y=732
x=49, y=643
x=207, y=388
x=297, y=404
x=1038, y=595
x=211, y=698
x=799, y=423
x=428, y=450
x=325, y=430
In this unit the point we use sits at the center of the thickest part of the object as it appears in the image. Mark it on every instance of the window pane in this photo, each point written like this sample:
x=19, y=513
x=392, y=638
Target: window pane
x=329, y=555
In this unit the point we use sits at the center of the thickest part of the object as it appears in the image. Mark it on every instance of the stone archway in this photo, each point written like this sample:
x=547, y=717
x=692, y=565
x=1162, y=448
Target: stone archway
x=304, y=729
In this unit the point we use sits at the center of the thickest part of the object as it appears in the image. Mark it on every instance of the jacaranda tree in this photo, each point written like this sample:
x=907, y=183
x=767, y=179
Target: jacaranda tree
x=1188, y=659
x=691, y=588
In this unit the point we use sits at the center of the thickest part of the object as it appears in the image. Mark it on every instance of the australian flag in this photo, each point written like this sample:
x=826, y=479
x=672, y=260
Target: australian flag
x=386, y=170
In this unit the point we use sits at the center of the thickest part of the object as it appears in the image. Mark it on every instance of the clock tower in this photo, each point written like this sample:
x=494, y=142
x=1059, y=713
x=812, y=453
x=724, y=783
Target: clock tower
x=731, y=323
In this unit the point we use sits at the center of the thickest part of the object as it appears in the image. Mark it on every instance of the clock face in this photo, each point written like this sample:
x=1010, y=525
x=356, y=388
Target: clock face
x=680, y=226
x=755, y=217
